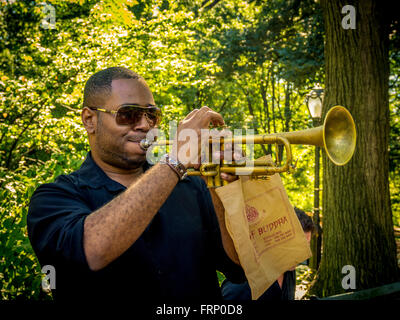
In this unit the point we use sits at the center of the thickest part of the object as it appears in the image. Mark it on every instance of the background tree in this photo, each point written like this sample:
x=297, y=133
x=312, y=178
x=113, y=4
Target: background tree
x=358, y=226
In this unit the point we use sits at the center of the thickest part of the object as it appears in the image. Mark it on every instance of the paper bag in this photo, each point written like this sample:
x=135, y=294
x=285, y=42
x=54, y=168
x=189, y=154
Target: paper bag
x=265, y=230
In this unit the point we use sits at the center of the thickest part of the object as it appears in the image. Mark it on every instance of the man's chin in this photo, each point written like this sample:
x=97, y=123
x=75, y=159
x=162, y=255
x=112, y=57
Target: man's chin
x=134, y=162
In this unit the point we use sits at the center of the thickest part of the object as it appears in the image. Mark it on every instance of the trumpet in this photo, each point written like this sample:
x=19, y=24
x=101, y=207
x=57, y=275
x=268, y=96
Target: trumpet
x=337, y=136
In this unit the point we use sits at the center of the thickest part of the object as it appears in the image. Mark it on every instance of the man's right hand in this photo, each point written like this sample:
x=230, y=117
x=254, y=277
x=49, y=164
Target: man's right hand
x=189, y=139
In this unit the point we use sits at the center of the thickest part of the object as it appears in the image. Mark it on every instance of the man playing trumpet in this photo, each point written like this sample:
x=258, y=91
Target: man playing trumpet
x=118, y=228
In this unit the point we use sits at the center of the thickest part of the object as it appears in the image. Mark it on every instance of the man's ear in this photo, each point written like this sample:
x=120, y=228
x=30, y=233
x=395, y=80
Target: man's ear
x=89, y=119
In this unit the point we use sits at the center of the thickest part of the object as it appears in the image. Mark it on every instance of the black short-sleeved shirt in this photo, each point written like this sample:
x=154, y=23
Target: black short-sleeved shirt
x=175, y=259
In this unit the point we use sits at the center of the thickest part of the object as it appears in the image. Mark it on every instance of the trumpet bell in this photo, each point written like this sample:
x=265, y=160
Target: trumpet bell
x=339, y=135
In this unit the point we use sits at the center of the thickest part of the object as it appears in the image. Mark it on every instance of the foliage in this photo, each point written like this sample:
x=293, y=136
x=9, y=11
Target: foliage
x=252, y=61
x=221, y=277
x=304, y=278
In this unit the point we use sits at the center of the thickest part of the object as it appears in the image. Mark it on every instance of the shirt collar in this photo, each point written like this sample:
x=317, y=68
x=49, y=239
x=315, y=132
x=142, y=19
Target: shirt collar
x=91, y=175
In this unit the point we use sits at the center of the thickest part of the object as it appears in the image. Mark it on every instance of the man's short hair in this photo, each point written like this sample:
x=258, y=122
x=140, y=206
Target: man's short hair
x=305, y=220
x=98, y=87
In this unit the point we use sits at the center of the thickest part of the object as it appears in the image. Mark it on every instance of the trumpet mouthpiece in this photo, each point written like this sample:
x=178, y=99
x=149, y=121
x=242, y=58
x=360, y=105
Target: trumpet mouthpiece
x=145, y=144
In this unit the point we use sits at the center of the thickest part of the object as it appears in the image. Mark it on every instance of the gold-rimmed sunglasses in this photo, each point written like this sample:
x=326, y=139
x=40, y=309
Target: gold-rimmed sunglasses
x=130, y=114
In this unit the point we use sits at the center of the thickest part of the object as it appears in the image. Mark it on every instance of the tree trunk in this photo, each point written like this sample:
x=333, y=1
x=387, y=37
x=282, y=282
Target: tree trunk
x=273, y=101
x=288, y=111
x=358, y=227
x=251, y=111
x=263, y=91
x=287, y=118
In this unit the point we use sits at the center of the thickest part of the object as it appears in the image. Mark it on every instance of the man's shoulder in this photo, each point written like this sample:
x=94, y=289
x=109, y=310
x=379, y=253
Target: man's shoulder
x=62, y=183
x=73, y=181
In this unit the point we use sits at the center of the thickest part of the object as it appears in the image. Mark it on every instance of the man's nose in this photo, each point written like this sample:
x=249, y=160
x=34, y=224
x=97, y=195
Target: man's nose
x=142, y=124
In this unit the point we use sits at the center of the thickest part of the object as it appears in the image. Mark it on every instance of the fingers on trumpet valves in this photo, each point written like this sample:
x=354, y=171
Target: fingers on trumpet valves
x=227, y=157
x=211, y=117
x=190, y=115
x=228, y=177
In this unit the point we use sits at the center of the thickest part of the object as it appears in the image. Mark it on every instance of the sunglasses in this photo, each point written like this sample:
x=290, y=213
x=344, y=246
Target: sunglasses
x=131, y=114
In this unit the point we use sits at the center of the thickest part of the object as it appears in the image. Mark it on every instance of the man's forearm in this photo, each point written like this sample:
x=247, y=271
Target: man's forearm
x=112, y=229
x=227, y=241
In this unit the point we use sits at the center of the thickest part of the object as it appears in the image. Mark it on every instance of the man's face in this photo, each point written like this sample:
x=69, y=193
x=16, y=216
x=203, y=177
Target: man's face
x=308, y=236
x=118, y=145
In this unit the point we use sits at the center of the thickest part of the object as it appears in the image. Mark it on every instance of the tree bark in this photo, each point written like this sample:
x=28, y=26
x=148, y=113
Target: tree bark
x=288, y=111
x=358, y=226
x=273, y=101
x=255, y=120
x=263, y=91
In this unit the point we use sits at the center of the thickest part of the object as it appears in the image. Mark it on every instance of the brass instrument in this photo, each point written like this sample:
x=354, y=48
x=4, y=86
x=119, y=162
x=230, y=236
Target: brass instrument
x=337, y=136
